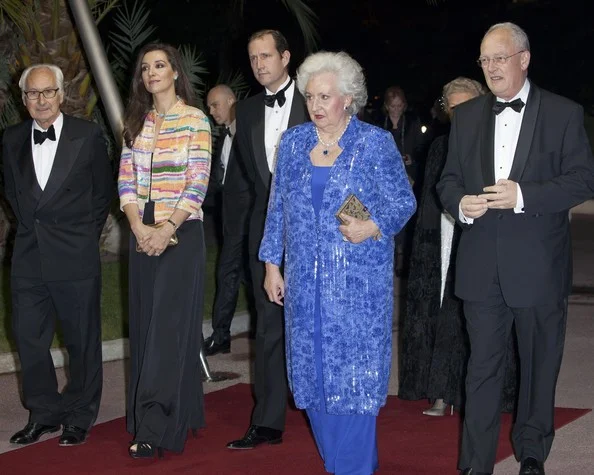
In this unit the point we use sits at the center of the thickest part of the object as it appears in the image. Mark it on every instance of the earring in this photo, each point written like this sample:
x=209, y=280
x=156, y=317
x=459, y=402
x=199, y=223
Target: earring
x=175, y=77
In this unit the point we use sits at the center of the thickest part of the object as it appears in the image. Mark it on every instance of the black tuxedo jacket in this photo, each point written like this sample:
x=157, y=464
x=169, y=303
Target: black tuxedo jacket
x=252, y=153
x=235, y=193
x=59, y=227
x=553, y=164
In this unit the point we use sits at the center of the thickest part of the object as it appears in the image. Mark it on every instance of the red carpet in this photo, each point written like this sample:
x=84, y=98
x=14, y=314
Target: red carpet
x=409, y=443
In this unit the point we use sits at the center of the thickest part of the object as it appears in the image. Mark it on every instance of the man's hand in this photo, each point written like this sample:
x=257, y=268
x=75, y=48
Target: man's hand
x=274, y=285
x=473, y=206
x=503, y=195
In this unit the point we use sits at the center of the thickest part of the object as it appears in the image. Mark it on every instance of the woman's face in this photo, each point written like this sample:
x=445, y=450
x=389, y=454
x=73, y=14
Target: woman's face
x=158, y=75
x=456, y=98
x=395, y=106
x=325, y=103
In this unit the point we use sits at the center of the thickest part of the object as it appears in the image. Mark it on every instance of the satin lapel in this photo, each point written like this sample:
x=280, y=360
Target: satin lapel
x=298, y=113
x=66, y=155
x=526, y=134
x=488, y=142
x=25, y=167
x=258, y=140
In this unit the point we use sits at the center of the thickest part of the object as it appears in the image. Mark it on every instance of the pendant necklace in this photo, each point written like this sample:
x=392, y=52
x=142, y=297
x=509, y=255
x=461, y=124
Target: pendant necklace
x=162, y=115
x=334, y=142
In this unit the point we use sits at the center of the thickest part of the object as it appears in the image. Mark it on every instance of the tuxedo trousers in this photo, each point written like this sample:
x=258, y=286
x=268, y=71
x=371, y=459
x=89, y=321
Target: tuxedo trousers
x=270, y=382
x=76, y=305
x=540, y=334
x=231, y=269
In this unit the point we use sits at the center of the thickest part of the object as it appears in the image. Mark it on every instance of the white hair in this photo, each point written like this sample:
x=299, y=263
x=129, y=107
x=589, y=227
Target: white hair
x=519, y=36
x=57, y=72
x=349, y=74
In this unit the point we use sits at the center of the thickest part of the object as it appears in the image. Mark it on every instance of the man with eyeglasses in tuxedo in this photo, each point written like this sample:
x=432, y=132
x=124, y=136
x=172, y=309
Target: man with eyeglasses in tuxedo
x=518, y=161
x=59, y=183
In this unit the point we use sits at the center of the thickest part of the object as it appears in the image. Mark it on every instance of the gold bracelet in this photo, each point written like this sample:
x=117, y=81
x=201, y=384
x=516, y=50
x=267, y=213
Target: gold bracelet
x=172, y=224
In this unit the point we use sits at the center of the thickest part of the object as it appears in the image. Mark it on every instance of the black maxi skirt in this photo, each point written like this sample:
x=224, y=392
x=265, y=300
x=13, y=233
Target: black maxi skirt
x=166, y=295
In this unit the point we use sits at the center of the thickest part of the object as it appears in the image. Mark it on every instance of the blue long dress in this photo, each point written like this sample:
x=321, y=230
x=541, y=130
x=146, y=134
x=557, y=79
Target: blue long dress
x=347, y=443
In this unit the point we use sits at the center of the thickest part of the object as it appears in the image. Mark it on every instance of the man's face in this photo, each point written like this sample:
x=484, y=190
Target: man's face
x=44, y=111
x=504, y=80
x=268, y=65
x=220, y=105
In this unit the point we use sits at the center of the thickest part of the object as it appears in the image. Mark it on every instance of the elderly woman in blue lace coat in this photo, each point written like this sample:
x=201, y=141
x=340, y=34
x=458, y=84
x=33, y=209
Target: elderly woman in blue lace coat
x=337, y=287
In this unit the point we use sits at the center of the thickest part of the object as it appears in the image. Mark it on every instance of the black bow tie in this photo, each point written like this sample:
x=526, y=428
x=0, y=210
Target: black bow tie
x=515, y=105
x=39, y=136
x=228, y=132
x=269, y=99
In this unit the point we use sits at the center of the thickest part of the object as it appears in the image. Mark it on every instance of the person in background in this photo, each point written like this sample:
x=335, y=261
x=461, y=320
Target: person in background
x=337, y=284
x=59, y=183
x=405, y=127
x=434, y=342
x=518, y=160
x=228, y=178
x=164, y=172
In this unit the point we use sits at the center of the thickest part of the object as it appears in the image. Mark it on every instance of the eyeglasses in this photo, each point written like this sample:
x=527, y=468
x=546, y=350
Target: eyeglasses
x=499, y=60
x=47, y=93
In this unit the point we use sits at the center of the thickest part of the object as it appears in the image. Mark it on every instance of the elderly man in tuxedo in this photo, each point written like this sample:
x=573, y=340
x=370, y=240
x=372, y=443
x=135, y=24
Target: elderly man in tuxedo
x=228, y=178
x=518, y=160
x=261, y=119
x=59, y=183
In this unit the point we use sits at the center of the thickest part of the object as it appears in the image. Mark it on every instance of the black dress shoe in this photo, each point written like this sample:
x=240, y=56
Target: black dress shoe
x=72, y=435
x=255, y=436
x=32, y=432
x=531, y=466
x=211, y=347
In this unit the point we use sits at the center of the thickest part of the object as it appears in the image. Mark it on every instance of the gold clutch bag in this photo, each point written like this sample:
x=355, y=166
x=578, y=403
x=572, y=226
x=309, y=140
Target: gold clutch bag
x=172, y=241
x=353, y=207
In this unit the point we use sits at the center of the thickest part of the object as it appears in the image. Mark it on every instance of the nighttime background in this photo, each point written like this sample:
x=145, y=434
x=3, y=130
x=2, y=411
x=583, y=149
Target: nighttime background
x=413, y=43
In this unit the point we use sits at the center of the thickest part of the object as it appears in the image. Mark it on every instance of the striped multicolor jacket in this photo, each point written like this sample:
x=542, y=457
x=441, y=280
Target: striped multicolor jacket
x=181, y=164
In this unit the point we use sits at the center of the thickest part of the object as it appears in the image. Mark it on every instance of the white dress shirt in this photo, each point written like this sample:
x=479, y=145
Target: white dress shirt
x=45, y=153
x=226, y=151
x=508, y=124
x=276, y=121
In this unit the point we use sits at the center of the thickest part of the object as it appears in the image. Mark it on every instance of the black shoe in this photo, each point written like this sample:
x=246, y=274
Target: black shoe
x=72, y=435
x=31, y=433
x=531, y=466
x=144, y=450
x=211, y=347
x=255, y=436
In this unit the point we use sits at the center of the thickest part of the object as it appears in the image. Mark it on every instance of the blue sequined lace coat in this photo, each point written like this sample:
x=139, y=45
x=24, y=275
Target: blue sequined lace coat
x=356, y=280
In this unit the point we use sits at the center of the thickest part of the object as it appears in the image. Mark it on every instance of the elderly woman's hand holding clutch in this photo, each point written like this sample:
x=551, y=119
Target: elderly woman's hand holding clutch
x=274, y=284
x=356, y=230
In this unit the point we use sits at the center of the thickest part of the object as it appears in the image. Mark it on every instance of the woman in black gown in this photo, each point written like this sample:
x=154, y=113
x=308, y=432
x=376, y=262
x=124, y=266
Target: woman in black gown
x=164, y=172
x=434, y=343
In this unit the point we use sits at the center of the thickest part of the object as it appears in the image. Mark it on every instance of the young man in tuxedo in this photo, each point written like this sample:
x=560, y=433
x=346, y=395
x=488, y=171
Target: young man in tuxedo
x=59, y=183
x=518, y=161
x=261, y=119
x=229, y=179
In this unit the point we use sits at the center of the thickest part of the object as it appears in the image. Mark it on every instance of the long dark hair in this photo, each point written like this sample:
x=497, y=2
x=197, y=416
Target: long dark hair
x=140, y=101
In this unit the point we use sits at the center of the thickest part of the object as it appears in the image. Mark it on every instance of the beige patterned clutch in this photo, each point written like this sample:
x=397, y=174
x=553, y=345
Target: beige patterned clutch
x=353, y=207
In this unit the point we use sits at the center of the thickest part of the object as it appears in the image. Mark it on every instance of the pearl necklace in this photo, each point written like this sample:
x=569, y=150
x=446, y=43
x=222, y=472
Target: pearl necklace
x=330, y=144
